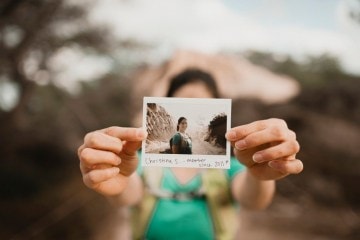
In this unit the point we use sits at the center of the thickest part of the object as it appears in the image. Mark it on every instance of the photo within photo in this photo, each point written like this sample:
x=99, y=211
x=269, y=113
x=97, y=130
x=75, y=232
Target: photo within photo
x=186, y=132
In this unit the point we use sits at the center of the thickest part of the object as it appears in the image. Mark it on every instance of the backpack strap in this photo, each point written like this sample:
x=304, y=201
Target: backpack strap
x=220, y=204
x=152, y=180
x=141, y=215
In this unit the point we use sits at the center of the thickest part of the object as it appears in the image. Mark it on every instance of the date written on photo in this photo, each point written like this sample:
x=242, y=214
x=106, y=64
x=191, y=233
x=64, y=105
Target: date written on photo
x=186, y=132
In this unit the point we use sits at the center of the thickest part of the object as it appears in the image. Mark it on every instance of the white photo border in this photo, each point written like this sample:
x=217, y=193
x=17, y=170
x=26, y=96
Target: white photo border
x=187, y=160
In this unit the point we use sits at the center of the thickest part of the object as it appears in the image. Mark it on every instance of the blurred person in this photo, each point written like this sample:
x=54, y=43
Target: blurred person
x=264, y=151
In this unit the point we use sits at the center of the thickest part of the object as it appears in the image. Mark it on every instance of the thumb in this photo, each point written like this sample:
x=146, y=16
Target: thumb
x=131, y=147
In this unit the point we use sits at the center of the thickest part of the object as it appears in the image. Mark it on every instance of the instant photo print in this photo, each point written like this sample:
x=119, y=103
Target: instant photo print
x=186, y=132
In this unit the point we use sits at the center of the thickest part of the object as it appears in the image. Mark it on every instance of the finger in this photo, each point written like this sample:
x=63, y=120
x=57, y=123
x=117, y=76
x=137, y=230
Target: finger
x=130, y=148
x=268, y=135
x=101, y=141
x=127, y=134
x=95, y=177
x=110, y=139
x=281, y=150
x=294, y=166
x=90, y=157
x=83, y=168
x=242, y=131
x=80, y=150
x=87, y=168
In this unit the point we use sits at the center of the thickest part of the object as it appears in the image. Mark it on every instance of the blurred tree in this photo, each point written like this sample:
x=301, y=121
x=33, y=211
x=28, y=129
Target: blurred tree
x=31, y=34
x=217, y=130
x=325, y=116
x=353, y=7
x=42, y=125
x=313, y=72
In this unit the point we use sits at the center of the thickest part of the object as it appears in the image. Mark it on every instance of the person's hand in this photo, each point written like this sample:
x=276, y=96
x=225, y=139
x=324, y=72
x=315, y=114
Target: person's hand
x=108, y=157
x=267, y=147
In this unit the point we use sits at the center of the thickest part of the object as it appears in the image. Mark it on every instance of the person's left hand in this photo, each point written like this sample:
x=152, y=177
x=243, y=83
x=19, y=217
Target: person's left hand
x=267, y=147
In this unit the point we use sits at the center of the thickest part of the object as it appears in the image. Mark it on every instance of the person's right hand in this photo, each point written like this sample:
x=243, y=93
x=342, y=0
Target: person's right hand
x=108, y=157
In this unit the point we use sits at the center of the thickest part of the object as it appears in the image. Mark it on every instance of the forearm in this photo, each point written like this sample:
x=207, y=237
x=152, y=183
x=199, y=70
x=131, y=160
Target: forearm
x=132, y=194
x=252, y=193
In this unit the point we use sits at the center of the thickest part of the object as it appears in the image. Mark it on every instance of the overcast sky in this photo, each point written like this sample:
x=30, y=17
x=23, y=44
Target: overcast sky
x=294, y=27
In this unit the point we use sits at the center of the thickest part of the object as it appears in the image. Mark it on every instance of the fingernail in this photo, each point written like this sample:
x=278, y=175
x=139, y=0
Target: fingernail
x=273, y=164
x=231, y=135
x=118, y=162
x=140, y=133
x=257, y=157
x=240, y=145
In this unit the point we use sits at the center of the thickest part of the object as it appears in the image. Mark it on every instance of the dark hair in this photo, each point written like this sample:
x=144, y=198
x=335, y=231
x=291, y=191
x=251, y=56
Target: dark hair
x=179, y=121
x=192, y=75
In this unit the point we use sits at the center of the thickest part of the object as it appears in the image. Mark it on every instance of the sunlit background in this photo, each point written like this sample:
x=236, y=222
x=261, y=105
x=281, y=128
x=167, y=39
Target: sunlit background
x=70, y=67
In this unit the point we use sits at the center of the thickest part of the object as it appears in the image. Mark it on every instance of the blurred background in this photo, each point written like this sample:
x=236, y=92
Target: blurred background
x=68, y=67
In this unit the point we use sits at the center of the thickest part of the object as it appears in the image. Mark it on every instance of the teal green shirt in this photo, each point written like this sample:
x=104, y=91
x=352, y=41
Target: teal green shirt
x=186, y=219
x=185, y=148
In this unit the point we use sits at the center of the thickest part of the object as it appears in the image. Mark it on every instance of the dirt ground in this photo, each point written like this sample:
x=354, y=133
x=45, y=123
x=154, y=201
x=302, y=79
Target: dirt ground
x=288, y=219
